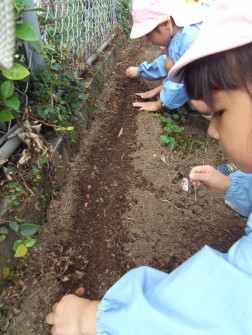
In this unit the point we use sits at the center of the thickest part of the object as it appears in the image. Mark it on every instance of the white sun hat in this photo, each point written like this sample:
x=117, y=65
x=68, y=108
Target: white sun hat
x=228, y=25
x=148, y=14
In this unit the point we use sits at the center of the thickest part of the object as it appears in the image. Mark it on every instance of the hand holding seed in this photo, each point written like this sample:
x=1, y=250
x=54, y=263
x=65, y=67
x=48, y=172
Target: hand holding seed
x=209, y=176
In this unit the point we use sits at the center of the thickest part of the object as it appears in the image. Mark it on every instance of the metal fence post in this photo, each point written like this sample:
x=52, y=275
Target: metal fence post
x=31, y=18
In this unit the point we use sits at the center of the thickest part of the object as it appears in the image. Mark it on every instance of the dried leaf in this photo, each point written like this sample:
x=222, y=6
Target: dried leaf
x=163, y=159
x=120, y=133
x=25, y=157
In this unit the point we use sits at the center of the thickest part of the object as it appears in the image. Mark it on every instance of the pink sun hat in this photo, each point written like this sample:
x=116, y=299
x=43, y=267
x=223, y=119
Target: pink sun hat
x=148, y=14
x=228, y=25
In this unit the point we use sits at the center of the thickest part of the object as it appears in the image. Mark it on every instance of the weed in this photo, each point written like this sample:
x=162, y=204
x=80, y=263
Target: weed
x=124, y=15
x=175, y=136
x=172, y=131
x=12, y=274
x=2, y=310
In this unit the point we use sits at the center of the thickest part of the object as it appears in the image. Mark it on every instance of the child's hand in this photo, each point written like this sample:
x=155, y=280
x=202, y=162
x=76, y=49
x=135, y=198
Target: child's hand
x=201, y=106
x=73, y=316
x=150, y=94
x=132, y=71
x=169, y=63
x=163, y=50
x=209, y=176
x=152, y=106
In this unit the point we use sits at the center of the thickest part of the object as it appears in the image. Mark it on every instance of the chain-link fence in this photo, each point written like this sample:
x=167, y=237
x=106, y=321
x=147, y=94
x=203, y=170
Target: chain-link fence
x=80, y=28
x=80, y=25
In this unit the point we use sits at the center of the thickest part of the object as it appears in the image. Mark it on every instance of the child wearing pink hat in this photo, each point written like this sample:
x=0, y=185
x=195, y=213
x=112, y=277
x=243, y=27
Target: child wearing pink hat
x=169, y=24
x=210, y=293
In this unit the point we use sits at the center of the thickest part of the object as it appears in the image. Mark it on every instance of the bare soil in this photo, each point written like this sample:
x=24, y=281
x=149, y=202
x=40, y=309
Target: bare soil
x=121, y=206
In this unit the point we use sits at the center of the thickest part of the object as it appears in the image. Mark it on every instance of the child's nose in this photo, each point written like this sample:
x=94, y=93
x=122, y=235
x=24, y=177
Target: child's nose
x=213, y=130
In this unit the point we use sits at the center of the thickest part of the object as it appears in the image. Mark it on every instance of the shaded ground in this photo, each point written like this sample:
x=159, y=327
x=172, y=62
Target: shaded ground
x=121, y=206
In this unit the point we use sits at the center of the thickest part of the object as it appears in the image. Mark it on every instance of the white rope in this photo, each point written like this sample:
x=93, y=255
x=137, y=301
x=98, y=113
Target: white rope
x=7, y=34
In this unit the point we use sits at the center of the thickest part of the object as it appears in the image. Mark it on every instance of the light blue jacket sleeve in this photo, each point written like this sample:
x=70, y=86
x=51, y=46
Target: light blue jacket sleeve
x=173, y=95
x=239, y=193
x=154, y=70
x=209, y=294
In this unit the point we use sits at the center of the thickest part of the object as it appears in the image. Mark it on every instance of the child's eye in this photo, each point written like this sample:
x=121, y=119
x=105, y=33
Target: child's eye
x=219, y=113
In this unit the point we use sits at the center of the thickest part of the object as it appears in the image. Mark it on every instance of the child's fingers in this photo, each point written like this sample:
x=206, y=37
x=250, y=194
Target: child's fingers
x=163, y=50
x=201, y=169
x=137, y=104
x=129, y=72
x=196, y=183
x=143, y=95
x=200, y=177
x=140, y=105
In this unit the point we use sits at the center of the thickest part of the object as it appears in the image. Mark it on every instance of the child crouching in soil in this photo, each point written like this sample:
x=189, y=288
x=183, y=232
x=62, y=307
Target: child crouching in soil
x=209, y=294
x=171, y=24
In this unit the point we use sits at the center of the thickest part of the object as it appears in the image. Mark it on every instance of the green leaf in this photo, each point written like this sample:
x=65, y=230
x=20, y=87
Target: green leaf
x=17, y=244
x=175, y=116
x=14, y=203
x=15, y=113
x=28, y=229
x=43, y=160
x=16, y=16
x=21, y=251
x=7, y=88
x=5, y=116
x=12, y=102
x=173, y=143
x=164, y=140
x=19, y=3
x=55, y=67
x=20, y=190
x=26, y=32
x=17, y=72
x=14, y=226
x=4, y=230
x=12, y=184
x=6, y=272
x=41, y=112
x=30, y=243
x=2, y=238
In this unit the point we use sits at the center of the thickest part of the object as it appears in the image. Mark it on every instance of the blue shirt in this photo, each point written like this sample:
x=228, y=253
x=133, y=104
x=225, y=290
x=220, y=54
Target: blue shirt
x=239, y=193
x=209, y=294
x=173, y=95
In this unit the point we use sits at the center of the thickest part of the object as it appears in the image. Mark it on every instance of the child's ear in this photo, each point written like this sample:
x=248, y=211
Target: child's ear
x=167, y=23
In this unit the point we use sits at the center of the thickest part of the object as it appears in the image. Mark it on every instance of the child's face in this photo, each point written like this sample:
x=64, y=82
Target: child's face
x=231, y=125
x=160, y=36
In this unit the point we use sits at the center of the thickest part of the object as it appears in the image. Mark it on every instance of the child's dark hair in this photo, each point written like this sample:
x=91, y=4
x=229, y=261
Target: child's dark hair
x=225, y=70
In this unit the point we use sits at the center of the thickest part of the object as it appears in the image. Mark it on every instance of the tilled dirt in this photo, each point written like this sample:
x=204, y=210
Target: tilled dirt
x=121, y=206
